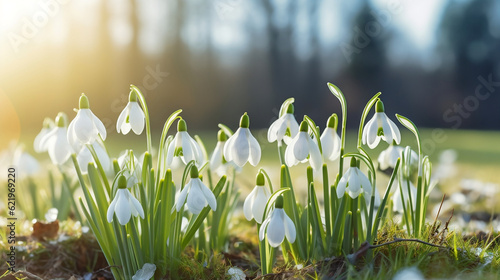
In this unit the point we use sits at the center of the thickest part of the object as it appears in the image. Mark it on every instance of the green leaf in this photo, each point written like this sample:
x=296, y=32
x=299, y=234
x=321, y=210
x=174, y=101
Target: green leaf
x=226, y=129
x=285, y=105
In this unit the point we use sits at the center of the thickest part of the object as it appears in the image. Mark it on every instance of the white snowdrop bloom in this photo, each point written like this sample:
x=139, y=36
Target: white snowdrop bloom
x=354, y=182
x=380, y=127
x=124, y=205
x=132, y=166
x=284, y=128
x=184, y=146
x=47, y=127
x=85, y=127
x=198, y=195
x=277, y=226
x=132, y=117
x=56, y=142
x=398, y=199
x=330, y=140
x=256, y=201
x=85, y=157
x=389, y=156
x=303, y=148
x=242, y=147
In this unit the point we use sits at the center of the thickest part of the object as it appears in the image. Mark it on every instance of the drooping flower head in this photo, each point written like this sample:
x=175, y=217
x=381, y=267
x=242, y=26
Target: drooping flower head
x=330, y=140
x=124, y=205
x=198, y=195
x=354, y=182
x=184, y=146
x=303, y=148
x=218, y=162
x=256, y=201
x=131, y=166
x=85, y=127
x=278, y=225
x=56, y=141
x=48, y=124
x=284, y=128
x=389, y=157
x=380, y=127
x=132, y=117
x=242, y=146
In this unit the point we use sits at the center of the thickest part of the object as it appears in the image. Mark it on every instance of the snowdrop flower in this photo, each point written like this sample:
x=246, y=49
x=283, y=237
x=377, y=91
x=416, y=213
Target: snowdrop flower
x=256, y=201
x=354, y=182
x=56, y=142
x=124, y=204
x=242, y=146
x=330, y=140
x=217, y=161
x=133, y=170
x=198, y=195
x=47, y=127
x=277, y=225
x=184, y=146
x=132, y=117
x=302, y=148
x=389, y=156
x=85, y=157
x=398, y=203
x=284, y=128
x=380, y=126
x=85, y=127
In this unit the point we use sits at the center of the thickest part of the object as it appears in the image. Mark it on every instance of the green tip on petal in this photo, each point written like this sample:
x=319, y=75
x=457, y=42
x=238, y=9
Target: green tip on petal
x=61, y=120
x=353, y=162
x=394, y=142
x=122, y=182
x=279, y=202
x=132, y=96
x=47, y=123
x=303, y=126
x=245, y=121
x=260, y=180
x=194, y=172
x=379, y=108
x=181, y=125
x=221, y=136
x=332, y=121
x=290, y=109
x=84, y=102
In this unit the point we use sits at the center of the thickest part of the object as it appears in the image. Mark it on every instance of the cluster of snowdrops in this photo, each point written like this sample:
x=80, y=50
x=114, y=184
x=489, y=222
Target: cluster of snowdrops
x=145, y=211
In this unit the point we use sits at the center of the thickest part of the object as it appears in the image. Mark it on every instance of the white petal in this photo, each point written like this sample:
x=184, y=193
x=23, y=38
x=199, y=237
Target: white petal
x=388, y=137
x=255, y=151
x=241, y=150
x=98, y=125
x=341, y=187
x=122, y=209
x=36, y=144
x=136, y=205
x=290, y=159
x=103, y=156
x=272, y=133
x=187, y=150
x=315, y=158
x=366, y=130
x=171, y=149
x=196, y=200
x=75, y=145
x=216, y=159
x=111, y=209
x=372, y=138
x=122, y=119
x=292, y=125
x=136, y=118
x=301, y=147
x=61, y=150
x=198, y=155
x=276, y=229
x=365, y=183
x=247, y=205
x=259, y=204
x=327, y=143
x=354, y=186
x=84, y=127
x=209, y=195
x=289, y=229
x=395, y=131
x=229, y=147
x=182, y=197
